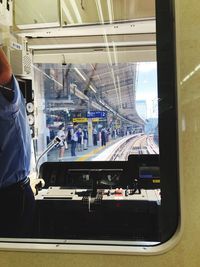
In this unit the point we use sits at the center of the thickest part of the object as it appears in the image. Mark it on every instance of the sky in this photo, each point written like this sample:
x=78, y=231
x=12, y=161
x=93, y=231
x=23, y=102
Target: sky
x=146, y=86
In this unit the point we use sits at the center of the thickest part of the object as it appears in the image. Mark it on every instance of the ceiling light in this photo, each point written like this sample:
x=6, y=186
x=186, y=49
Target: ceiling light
x=80, y=74
x=110, y=10
x=76, y=11
x=67, y=13
x=99, y=10
x=92, y=89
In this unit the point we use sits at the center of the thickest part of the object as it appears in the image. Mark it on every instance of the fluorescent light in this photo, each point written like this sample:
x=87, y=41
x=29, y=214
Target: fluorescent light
x=46, y=75
x=99, y=10
x=76, y=11
x=107, y=48
x=117, y=94
x=187, y=77
x=67, y=13
x=110, y=10
x=119, y=91
x=92, y=89
x=80, y=74
x=115, y=54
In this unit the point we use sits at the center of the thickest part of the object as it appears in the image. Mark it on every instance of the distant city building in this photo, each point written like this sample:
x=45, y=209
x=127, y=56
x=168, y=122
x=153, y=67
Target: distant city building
x=141, y=107
x=151, y=126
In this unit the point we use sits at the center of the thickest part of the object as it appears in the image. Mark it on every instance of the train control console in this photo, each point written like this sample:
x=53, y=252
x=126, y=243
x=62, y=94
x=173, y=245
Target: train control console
x=102, y=203
x=62, y=193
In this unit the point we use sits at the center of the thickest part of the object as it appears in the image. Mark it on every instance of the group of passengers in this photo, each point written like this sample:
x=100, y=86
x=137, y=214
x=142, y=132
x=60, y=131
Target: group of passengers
x=75, y=138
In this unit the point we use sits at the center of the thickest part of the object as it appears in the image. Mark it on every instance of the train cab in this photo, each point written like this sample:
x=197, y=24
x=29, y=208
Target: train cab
x=99, y=83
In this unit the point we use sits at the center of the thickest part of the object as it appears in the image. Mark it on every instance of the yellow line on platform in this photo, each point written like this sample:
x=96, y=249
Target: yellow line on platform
x=91, y=153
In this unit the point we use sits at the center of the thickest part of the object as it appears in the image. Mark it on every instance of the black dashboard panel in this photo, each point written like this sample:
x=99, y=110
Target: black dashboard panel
x=99, y=200
x=103, y=174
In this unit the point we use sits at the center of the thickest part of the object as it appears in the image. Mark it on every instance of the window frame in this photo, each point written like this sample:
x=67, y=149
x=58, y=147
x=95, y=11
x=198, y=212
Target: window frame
x=167, y=93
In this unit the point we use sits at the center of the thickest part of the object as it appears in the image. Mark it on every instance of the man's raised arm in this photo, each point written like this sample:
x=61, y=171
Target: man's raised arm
x=5, y=69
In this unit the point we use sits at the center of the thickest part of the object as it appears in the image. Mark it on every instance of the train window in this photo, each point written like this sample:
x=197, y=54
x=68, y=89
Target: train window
x=104, y=127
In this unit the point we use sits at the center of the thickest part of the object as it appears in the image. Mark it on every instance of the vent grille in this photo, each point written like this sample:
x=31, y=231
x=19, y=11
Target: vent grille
x=27, y=63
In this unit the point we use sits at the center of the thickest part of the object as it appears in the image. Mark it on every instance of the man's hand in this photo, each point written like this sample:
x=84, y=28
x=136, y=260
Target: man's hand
x=36, y=184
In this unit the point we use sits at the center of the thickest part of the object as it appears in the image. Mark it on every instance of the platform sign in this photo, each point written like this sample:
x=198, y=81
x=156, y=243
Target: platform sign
x=83, y=120
x=95, y=119
x=96, y=114
x=80, y=120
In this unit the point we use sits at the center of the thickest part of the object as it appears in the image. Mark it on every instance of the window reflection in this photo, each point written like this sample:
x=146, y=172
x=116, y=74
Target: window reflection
x=101, y=111
x=105, y=11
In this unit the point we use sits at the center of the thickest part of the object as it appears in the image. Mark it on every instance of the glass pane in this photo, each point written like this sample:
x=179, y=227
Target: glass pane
x=102, y=103
x=75, y=12
x=111, y=110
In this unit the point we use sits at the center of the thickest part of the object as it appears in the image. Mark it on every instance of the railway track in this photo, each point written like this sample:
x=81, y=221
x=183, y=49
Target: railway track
x=140, y=144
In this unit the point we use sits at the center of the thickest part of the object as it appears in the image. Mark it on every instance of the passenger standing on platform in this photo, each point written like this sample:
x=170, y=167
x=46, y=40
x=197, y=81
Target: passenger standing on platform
x=52, y=134
x=62, y=145
x=114, y=133
x=80, y=139
x=85, y=138
x=103, y=136
x=69, y=133
x=94, y=136
x=108, y=135
x=47, y=134
x=16, y=196
x=74, y=140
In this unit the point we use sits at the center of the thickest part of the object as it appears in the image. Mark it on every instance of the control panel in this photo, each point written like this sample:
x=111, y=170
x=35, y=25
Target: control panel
x=85, y=195
x=98, y=201
x=140, y=171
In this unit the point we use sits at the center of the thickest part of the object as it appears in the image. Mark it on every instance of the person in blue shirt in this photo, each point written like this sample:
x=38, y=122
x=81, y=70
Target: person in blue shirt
x=74, y=140
x=16, y=196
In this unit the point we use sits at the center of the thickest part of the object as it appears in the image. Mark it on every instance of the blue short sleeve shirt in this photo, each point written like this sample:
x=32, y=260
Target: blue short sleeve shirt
x=15, y=139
